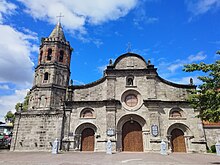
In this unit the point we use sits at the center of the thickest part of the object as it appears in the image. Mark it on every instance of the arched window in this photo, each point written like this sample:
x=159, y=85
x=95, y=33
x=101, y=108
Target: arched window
x=176, y=114
x=61, y=56
x=49, y=54
x=46, y=76
x=130, y=81
x=87, y=113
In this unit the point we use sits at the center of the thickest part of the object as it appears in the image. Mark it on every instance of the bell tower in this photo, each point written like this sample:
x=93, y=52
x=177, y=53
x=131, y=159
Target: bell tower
x=52, y=72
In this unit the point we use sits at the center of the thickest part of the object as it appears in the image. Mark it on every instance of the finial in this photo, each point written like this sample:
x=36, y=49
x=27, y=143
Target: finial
x=191, y=81
x=129, y=47
x=60, y=16
x=149, y=62
x=110, y=62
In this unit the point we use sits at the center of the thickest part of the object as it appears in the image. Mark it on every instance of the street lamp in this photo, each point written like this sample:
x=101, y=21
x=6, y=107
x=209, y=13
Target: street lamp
x=19, y=112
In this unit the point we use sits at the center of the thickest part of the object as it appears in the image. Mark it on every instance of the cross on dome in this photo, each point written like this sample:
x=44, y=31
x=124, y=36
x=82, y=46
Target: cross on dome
x=59, y=17
x=129, y=47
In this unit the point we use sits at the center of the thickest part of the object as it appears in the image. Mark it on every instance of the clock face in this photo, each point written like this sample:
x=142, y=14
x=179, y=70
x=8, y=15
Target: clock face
x=131, y=100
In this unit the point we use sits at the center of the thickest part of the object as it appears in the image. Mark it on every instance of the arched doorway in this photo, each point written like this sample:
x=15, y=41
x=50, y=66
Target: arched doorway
x=132, y=137
x=178, y=140
x=87, y=140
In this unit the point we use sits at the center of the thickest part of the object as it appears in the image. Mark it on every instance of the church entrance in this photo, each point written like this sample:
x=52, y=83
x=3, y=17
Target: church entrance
x=132, y=137
x=178, y=141
x=88, y=140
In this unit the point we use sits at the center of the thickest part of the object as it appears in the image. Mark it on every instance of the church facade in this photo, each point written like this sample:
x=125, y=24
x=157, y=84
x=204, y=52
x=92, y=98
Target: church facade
x=131, y=105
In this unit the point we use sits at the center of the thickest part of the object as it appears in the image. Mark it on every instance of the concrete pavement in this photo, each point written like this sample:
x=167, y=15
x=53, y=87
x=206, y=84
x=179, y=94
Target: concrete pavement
x=87, y=158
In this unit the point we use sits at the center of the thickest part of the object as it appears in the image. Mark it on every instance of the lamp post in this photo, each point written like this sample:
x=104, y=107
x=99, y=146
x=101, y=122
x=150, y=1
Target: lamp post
x=20, y=109
x=62, y=125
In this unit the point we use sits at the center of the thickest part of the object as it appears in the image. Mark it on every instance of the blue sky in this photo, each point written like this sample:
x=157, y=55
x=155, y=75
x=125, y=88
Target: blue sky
x=169, y=33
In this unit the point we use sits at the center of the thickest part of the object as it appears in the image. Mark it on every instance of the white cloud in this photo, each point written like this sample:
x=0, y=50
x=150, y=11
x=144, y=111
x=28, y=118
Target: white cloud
x=7, y=103
x=150, y=20
x=97, y=42
x=175, y=66
x=15, y=63
x=186, y=80
x=141, y=18
x=16, y=66
x=198, y=57
x=172, y=67
x=215, y=42
x=198, y=7
x=6, y=8
x=76, y=82
x=102, y=68
x=78, y=13
x=142, y=52
x=4, y=87
x=139, y=21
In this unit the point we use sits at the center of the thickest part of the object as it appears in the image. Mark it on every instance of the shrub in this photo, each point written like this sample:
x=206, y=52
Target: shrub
x=213, y=149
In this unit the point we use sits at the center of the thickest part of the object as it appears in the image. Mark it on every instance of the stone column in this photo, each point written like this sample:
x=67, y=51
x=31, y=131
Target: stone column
x=169, y=146
x=146, y=140
x=188, y=143
x=111, y=122
x=77, y=142
x=152, y=90
x=119, y=141
x=110, y=95
x=67, y=122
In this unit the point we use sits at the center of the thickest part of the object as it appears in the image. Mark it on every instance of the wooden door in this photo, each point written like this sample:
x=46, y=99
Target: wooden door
x=178, y=141
x=132, y=137
x=87, y=140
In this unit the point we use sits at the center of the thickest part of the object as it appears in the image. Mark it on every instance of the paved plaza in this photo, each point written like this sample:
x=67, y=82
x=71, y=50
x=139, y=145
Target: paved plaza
x=86, y=158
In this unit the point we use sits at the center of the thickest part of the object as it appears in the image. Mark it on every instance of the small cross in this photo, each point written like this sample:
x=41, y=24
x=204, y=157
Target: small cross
x=21, y=107
x=60, y=16
x=129, y=47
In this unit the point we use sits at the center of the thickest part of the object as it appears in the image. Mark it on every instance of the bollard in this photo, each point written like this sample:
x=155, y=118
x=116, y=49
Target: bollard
x=55, y=146
x=109, y=147
x=163, y=148
x=217, y=147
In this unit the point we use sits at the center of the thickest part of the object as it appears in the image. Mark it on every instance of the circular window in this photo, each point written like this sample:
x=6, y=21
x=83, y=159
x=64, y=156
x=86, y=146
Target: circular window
x=131, y=100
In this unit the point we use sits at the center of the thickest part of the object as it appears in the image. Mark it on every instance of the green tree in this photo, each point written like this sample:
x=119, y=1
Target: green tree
x=26, y=101
x=17, y=106
x=10, y=117
x=207, y=97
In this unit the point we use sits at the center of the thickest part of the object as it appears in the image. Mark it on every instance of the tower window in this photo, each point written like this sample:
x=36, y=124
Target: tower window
x=61, y=56
x=49, y=54
x=46, y=76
